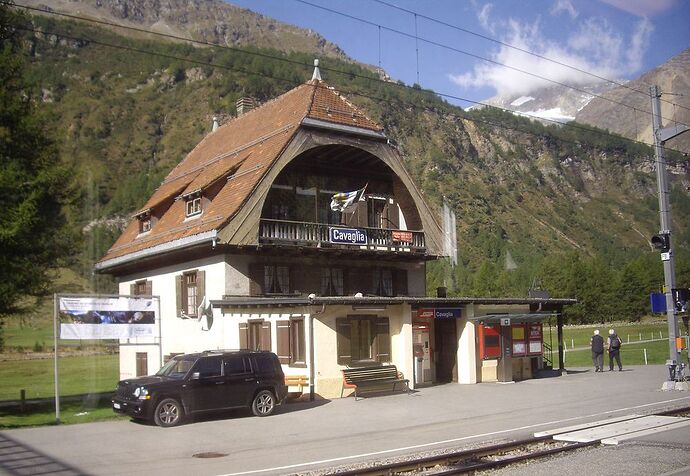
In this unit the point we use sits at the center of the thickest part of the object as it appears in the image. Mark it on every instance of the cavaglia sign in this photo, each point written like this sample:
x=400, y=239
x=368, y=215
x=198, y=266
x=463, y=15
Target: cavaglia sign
x=349, y=236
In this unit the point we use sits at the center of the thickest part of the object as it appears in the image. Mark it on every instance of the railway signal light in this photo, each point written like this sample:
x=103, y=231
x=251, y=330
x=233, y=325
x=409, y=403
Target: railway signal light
x=661, y=242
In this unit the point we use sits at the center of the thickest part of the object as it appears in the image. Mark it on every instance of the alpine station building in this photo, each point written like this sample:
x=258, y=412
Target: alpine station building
x=242, y=247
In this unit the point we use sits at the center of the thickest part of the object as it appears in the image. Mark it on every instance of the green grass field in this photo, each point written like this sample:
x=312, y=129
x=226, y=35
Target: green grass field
x=72, y=412
x=77, y=375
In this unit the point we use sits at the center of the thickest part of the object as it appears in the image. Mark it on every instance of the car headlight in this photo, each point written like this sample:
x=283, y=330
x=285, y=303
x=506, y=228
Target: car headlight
x=142, y=393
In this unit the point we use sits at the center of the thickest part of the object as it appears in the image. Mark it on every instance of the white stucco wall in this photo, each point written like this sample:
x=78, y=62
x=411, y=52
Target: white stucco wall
x=177, y=335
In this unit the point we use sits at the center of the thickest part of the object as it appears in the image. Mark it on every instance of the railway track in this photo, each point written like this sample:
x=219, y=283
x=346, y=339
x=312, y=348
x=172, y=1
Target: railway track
x=484, y=458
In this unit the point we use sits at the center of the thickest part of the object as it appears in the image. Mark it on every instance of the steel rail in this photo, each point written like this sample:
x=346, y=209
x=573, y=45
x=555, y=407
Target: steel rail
x=468, y=461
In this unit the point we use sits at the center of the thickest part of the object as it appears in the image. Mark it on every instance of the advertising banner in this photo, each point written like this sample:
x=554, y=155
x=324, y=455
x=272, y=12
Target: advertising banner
x=107, y=317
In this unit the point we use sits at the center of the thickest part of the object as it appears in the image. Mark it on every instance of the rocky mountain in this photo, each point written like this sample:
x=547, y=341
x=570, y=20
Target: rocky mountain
x=551, y=103
x=212, y=21
x=672, y=78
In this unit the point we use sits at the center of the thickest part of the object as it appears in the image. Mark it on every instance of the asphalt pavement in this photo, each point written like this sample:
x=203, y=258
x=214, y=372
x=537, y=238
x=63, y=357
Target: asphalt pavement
x=310, y=437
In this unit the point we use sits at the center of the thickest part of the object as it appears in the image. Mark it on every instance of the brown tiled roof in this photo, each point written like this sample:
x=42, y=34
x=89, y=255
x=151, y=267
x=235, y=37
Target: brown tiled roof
x=244, y=149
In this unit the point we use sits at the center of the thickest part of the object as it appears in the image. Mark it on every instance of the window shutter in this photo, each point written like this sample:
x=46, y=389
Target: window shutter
x=200, y=287
x=178, y=294
x=400, y=282
x=343, y=329
x=383, y=340
x=149, y=288
x=256, y=279
x=266, y=335
x=283, y=337
x=244, y=335
x=133, y=289
x=392, y=214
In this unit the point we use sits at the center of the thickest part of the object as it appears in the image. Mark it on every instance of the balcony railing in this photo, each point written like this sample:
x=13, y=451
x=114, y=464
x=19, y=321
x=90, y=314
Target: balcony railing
x=320, y=234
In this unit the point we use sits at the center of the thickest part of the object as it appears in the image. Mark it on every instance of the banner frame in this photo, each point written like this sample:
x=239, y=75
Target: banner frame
x=56, y=312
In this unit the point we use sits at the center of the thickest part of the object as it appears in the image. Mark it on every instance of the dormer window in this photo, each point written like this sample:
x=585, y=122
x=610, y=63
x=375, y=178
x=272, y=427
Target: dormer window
x=145, y=224
x=193, y=206
x=145, y=221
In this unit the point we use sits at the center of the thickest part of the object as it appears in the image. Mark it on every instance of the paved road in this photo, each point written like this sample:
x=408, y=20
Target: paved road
x=306, y=436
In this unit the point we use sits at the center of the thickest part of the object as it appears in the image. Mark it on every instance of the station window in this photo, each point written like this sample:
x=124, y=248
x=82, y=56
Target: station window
x=363, y=339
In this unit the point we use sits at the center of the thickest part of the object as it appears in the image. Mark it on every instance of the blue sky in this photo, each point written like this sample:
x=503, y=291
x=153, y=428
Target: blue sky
x=615, y=39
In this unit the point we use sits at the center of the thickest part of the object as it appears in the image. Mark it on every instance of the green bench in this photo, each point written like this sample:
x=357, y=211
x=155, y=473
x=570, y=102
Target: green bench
x=377, y=378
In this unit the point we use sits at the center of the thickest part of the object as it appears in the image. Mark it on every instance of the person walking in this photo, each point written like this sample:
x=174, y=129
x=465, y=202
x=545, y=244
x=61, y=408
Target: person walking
x=614, y=346
x=597, y=343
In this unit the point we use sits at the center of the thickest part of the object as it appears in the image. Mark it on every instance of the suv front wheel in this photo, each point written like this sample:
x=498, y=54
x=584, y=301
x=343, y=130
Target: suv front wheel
x=264, y=403
x=168, y=413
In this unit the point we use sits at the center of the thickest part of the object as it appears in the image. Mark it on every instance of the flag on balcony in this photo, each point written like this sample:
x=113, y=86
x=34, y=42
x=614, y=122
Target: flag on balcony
x=340, y=201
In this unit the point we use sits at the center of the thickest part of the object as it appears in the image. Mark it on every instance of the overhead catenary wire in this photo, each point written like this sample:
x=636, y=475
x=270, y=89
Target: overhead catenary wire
x=291, y=81
x=467, y=53
x=524, y=50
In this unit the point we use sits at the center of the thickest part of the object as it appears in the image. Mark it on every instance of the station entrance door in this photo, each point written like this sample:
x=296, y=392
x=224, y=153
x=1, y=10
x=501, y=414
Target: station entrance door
x=446, y=354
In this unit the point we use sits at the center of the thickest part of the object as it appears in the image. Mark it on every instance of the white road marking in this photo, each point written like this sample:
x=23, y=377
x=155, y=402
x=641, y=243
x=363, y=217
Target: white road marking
x=452, y=440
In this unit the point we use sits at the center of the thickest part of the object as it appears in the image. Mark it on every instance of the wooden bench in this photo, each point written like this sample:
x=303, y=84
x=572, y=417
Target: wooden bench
x=299, y=381
x=376, y=378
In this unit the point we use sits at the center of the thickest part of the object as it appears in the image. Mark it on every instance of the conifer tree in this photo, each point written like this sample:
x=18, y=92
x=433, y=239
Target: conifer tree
x=32, y=182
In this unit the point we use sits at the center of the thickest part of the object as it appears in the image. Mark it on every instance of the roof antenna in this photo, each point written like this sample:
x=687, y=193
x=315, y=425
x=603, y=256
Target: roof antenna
x=317, y=73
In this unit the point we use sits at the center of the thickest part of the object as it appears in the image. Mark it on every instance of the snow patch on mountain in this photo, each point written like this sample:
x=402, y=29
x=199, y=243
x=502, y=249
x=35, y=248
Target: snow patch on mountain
x=521, y=100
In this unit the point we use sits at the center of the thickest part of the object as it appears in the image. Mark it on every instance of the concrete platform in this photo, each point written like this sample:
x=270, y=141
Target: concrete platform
x=306, y=437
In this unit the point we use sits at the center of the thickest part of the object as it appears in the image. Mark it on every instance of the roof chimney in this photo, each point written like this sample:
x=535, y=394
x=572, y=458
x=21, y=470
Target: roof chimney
x=317, y=73
x=244, y=104
x=215, y=124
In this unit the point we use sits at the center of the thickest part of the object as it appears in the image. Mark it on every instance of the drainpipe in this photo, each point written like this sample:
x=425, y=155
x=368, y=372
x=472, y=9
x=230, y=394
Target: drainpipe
x=312, y=373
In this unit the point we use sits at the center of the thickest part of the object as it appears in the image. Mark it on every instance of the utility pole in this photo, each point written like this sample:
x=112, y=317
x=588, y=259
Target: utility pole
x=660, y=137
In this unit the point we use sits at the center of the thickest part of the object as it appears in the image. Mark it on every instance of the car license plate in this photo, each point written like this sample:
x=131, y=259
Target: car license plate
x=116, y=406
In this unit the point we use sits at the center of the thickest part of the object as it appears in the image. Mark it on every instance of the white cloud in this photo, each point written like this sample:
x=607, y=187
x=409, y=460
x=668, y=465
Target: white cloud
x=594, y=46
x=564, y=6
x=483, y=16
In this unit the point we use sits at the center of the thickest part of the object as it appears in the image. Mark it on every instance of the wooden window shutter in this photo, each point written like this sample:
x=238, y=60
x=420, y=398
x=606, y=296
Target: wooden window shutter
x=392, y=214
x=149, y=288
x=383, y=340
x=244, y=335
x=266, y=335
x=178, y=294
x=400, y=282
x=133, y=289
x=283, y=337
x=200, y=286
x=256, y=279
x=343, y=329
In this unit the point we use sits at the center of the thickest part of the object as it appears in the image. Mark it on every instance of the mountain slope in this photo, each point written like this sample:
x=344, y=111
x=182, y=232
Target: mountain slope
x=672, y=77
x=212, y=21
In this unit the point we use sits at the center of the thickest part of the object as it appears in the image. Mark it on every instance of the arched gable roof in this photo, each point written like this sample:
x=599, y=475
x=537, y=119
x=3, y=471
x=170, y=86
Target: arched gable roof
x=246, y=152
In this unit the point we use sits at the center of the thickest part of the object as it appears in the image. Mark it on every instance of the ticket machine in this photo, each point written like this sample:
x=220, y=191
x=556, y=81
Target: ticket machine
x=421, y=354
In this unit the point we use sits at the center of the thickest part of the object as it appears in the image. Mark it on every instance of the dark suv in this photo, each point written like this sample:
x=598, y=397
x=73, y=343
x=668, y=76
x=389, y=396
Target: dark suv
x=207, y=381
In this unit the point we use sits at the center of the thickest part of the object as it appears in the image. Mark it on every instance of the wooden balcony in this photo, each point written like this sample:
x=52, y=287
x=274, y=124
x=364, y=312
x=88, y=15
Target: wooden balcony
x=322, y=235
